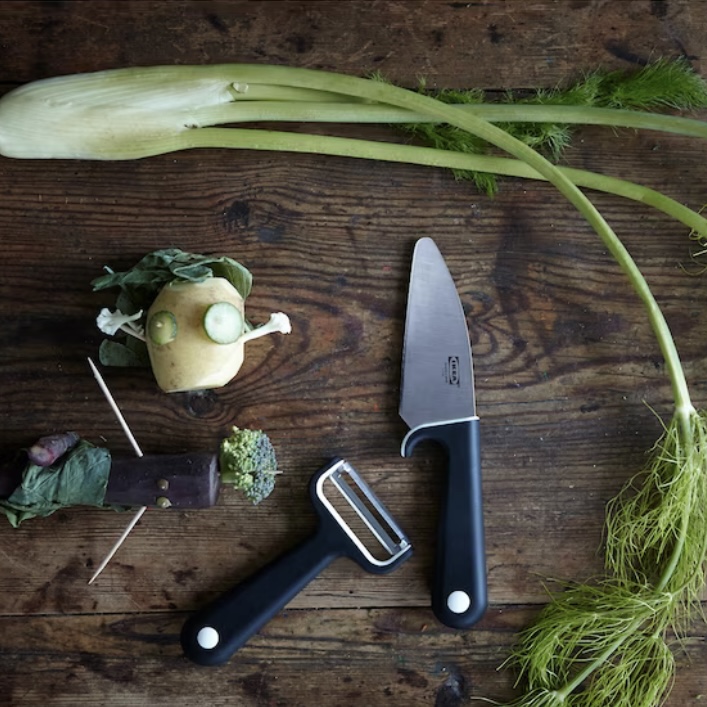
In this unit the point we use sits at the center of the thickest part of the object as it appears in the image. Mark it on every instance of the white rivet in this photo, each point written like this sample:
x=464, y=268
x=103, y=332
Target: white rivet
x=208, y=637
x=458, y=602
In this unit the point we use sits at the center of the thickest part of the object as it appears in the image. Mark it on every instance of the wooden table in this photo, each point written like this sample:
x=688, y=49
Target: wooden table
x=568, y=372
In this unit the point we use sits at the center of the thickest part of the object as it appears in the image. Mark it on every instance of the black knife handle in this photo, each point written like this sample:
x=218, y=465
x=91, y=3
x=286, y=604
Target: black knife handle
x=459, y=594
x=215, y=633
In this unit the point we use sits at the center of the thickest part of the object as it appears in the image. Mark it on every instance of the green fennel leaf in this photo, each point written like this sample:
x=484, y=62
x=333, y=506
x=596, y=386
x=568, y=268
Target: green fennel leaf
x=671, y=84
x=662, y=85
x=657, y=528
x=606, y=644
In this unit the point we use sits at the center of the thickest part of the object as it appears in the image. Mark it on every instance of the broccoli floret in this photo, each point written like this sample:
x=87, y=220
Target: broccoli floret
x=262, y=486
x=247, y=461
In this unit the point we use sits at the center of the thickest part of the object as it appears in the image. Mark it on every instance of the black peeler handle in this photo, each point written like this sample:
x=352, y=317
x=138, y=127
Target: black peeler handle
x=215, y=633
x=459, y=594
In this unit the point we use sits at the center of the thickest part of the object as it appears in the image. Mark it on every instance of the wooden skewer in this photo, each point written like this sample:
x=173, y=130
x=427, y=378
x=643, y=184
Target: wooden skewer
x=109, y=397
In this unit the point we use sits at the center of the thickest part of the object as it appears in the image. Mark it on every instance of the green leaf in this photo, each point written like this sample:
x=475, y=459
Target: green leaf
x=661, y=85
x=79, y=478
x=131, y=354
x=142, y=283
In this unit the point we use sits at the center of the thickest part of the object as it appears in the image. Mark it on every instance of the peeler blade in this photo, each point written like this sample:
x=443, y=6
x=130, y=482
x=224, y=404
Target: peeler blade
x=362, y=516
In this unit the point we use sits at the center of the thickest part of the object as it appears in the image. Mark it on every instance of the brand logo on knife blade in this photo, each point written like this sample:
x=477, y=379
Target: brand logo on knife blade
x=452, y=371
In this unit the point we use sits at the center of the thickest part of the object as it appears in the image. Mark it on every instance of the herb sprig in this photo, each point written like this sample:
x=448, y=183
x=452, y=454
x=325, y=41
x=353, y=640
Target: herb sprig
x=659, y=86
x=612, y=639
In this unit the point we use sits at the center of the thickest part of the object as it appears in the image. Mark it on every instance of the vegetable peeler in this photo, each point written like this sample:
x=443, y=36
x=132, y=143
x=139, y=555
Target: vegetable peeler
x=353, y=523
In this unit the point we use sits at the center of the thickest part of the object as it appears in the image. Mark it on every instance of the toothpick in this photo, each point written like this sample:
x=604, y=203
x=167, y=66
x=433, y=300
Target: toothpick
x=118, y=543
x=116, y=409
x=138, y=451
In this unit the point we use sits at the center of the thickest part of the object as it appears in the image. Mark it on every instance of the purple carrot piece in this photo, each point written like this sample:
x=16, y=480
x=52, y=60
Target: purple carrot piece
x=46, y=450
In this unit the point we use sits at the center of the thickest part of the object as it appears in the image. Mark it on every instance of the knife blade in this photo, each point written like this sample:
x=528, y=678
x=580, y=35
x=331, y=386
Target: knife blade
x=437, y=402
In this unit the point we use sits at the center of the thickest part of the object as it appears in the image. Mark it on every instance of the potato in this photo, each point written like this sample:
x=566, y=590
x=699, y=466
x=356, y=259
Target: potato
x=191, y=360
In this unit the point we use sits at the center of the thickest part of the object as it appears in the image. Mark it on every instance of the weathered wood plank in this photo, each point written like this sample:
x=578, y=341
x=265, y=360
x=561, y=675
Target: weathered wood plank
x=542, y=343
x=351, y=657
x=502, y=43
x=566, y=364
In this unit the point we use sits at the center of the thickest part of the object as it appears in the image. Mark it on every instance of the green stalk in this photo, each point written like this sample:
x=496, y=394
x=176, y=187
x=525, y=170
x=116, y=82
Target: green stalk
x=331, y=108
x=279, y=141
x=274, y=95
x=588, y=115
x=411, y=101
x=676, y=554
x=592, y=666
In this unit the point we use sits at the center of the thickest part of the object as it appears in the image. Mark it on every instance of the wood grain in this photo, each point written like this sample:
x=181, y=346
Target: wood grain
x=568, y=371
x=351, y=657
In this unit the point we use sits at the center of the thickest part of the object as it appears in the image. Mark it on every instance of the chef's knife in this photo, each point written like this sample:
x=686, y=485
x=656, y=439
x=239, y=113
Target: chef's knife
x=437, y=402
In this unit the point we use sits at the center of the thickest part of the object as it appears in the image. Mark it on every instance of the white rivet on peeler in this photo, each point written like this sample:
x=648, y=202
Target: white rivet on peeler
x=458, y=602
x=208, y=638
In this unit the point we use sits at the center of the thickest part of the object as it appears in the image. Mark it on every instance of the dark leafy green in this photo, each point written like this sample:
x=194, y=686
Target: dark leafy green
x=78, y=478
x=128, y=353
x=142, y=283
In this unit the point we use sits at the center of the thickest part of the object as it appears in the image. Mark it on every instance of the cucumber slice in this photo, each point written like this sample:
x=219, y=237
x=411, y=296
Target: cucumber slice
x=223, y=323
x=162, y=328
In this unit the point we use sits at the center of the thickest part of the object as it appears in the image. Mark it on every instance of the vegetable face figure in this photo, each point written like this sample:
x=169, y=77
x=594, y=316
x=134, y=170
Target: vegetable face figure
x=195, y=329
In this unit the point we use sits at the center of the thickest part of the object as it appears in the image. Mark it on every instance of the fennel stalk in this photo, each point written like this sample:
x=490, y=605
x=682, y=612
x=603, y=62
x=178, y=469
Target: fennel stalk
x=607, y=639
x=141, y=112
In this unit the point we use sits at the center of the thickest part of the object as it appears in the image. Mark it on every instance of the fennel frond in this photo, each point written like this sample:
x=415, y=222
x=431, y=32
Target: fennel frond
x=544, y=119
x=612, y=640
